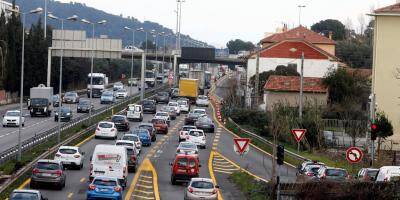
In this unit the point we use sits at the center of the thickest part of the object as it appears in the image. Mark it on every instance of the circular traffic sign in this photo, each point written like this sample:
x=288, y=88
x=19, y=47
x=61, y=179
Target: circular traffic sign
x=354, y=154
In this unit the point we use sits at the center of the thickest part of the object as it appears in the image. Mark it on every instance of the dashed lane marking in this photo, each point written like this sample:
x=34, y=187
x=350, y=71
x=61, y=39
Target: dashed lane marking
x=82, y=180
x=70, y=195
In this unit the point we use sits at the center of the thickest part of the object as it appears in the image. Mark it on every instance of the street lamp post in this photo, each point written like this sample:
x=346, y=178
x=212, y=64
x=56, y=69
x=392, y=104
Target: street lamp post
x=73, y=18
x=37, y=10
x=163, y=56
x=85, y=21
x=300, y=7
x=142, y=87
x=133, y=45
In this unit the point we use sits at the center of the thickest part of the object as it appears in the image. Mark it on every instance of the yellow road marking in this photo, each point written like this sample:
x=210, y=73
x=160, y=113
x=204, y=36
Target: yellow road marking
x=145, y=166
x=144, y=181
x=26, y=182
x=223, y=171
x=210, y=169
x=70, y=195
x=82, y=180
x=142, y=197
x=145, y=186
x=145, y=192
x=228, y=166
x=144, y=176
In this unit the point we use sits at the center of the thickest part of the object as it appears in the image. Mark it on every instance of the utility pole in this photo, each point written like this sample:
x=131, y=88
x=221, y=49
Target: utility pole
x=300, y=7
x=142, y=76
x=372, y=117
x=257, y=77
x=45, y=21
x=301, y=87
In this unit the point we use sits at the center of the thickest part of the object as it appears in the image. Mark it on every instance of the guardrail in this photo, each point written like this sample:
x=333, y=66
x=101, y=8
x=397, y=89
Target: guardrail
x=43, y=136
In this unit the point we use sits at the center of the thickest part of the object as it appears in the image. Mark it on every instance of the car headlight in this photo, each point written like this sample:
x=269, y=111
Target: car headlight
x=45, y=109
x=68, y=114
x=56, y=113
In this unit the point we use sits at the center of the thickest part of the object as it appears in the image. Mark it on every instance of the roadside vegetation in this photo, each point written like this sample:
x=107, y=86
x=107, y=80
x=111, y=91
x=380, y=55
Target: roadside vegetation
x=250, y=187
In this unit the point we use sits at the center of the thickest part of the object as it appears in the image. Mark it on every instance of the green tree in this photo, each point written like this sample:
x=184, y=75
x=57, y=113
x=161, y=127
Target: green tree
x=356, y=53
x=237, y=45
x=279, y=70
x=385, y=128
x=330, y=25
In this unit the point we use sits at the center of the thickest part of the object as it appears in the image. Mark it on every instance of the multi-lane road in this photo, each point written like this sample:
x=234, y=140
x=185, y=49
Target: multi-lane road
x=35, y=125
x=152, y=179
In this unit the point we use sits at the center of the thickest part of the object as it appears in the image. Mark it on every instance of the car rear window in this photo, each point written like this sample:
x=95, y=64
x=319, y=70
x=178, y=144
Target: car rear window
x=196, y=133
x=67, y=151
x=24, y=196
x=47, y=166
x=187, y=128
x=187, y=145
x=182, y=102
x=105, y=125
x=130, y=138
x=202, y=185
x=104, y=182
x=336, y=172
x=124, y=144
x=372, y=173
x=118, y=118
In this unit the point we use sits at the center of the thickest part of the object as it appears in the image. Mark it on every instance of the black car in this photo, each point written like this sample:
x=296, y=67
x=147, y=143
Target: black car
x=65, y=115
x=162, y=97
x=121, y=122
x=191, y=118
x=56, y=100
x=84, y=106
x=205, y=124
x=149, y=106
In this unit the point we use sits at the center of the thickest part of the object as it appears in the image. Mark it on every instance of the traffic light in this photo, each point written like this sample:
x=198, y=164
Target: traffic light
x=280, y=154
x=374, y=131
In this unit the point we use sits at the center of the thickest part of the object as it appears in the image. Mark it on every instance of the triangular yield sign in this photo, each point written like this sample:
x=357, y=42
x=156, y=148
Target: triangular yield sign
x=299, y=134
x=241, y=144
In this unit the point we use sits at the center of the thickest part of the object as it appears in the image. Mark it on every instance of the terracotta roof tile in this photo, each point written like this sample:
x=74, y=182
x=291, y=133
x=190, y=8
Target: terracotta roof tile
x=299, y=33
x=395, y=8
x=292, y=84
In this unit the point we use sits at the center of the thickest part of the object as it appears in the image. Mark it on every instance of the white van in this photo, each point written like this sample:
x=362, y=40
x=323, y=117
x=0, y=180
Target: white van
x=111, y=161
x=134, y=112
x=388, y=173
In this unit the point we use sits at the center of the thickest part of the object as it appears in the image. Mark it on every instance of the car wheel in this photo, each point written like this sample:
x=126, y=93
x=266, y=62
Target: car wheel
x=96, y=137
x=4, y=125
x=60, y=186
x=23, y=124
x=173, y=181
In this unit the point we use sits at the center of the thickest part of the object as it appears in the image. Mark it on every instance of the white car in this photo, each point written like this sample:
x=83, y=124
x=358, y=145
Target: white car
x=183, y=133
x=106, y=130
x=26, y=194
x=11, y=118
x=134, y=138
x=200, y=111
x=70, y=155
x=197, y=137
x=202, y=101
x=184, y=106
x=121, y=94
x=127, y=143
x=162, y=115
x=134, y=112
x=189, y=148
x=176, y=107
x=118, y=86
x=201, y=188
x=388, y=173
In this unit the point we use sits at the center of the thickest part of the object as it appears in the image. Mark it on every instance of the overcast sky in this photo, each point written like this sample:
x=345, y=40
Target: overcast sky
x=218, y=21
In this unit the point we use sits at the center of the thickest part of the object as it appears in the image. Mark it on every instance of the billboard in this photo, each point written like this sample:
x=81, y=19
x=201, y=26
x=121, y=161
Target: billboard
x=195, y=53
x=222, y=53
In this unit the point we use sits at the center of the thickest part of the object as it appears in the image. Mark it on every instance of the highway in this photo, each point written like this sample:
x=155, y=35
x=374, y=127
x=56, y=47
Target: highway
x=35, y=125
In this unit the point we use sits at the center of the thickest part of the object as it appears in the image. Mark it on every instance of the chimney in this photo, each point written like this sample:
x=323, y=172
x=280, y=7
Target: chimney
x=330, y=35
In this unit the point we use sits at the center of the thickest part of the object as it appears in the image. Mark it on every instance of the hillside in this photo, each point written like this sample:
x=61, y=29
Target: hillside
x=113, y=28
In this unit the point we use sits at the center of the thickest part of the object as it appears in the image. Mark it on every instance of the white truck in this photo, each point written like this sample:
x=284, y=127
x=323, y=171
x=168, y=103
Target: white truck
x=150, y=78
x=111, y=161
x=100, y=82
x=199, y=75
x=40, y=101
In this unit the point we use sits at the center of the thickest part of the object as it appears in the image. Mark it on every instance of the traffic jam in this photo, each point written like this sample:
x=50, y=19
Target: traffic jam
x=121, y=144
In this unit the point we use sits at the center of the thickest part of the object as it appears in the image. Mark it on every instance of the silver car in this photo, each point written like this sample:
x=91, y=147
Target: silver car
x=201, y=188
x=48, y=171
x=71, y=97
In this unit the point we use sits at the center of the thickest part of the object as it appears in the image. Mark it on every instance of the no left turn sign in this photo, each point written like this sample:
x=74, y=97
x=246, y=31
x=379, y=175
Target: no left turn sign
x=354, y=155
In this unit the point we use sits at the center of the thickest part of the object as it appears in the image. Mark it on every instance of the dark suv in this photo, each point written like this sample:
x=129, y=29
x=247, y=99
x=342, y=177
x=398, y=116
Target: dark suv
x=48, y=171
x=162, y=97
x=149, y=106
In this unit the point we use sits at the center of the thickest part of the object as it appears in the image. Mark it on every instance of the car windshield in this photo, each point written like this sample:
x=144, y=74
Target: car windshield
x=148, y=103
x=173, y=104
x=203, y=97
x=196, y=133
x=24, y=196
x=202, y=185
x=182, y=103
x=105, y=182
x=118, y=118
x=107, y=94
x=105, y=125
x=187, y=128
x=313, y=168
x=199, y=111
x=70, y=94
x=96, y=80
x=12, y=113
x=336, y=172
x=205, y=120
x=162, y=114
x=65, y=109
x=372, y=173
x=55, y=98
x=143, y=134
x=187, y=145
x=130, y=138
x=39, y=101
x=164, y=94
x=121, y=90
x=194, y=115
x=67, y=151
x=47, y=166
x=84, y=102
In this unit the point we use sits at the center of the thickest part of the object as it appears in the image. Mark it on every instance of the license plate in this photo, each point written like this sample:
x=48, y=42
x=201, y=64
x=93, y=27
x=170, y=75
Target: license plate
x=38, y=112
x=182, y=170
x=103, y=190
x=99, y=172
x=67, y=163
x=46, y=174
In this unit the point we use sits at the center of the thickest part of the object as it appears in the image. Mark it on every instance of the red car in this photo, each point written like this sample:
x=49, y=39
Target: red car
x=160, y=125
x=184, y=168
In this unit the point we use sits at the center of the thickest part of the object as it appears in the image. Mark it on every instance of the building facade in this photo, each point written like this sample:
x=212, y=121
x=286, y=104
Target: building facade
x=386, y=64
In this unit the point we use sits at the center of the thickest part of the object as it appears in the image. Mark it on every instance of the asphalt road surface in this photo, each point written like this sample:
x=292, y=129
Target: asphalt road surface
x=35, y=125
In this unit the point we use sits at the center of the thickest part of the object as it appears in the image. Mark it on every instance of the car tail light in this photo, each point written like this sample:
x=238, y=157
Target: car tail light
x=113, y=129
x=92, y=187
x=323, y=176
x=77, y=156
x=385, y=179
x=204, y=138
x=58, y=155
x=214, y=191
x=190, y=189
x=91, y=168
x=124, y=169
x=187, y=137
x=35, y=171
x=310, y=174
x=133, y=157
x=58, y=172
x=97, y=129
x=118, y=189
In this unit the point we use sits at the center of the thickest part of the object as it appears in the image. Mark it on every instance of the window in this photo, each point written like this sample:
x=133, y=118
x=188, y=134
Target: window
x=182, y=162
x=202, y=185
x=105, y=125
x=47, y=166
x=336, y=172
x=104, y=182
x=67, y=151
x=24, y=196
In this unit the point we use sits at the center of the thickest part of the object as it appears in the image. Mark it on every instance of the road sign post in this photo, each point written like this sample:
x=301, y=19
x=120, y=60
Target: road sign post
x=298, y=135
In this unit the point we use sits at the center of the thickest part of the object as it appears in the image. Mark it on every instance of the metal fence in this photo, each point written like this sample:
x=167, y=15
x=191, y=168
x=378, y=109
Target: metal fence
x=42, y=137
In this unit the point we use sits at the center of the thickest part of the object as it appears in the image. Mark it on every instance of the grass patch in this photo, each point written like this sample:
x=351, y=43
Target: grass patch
x=250, y=187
